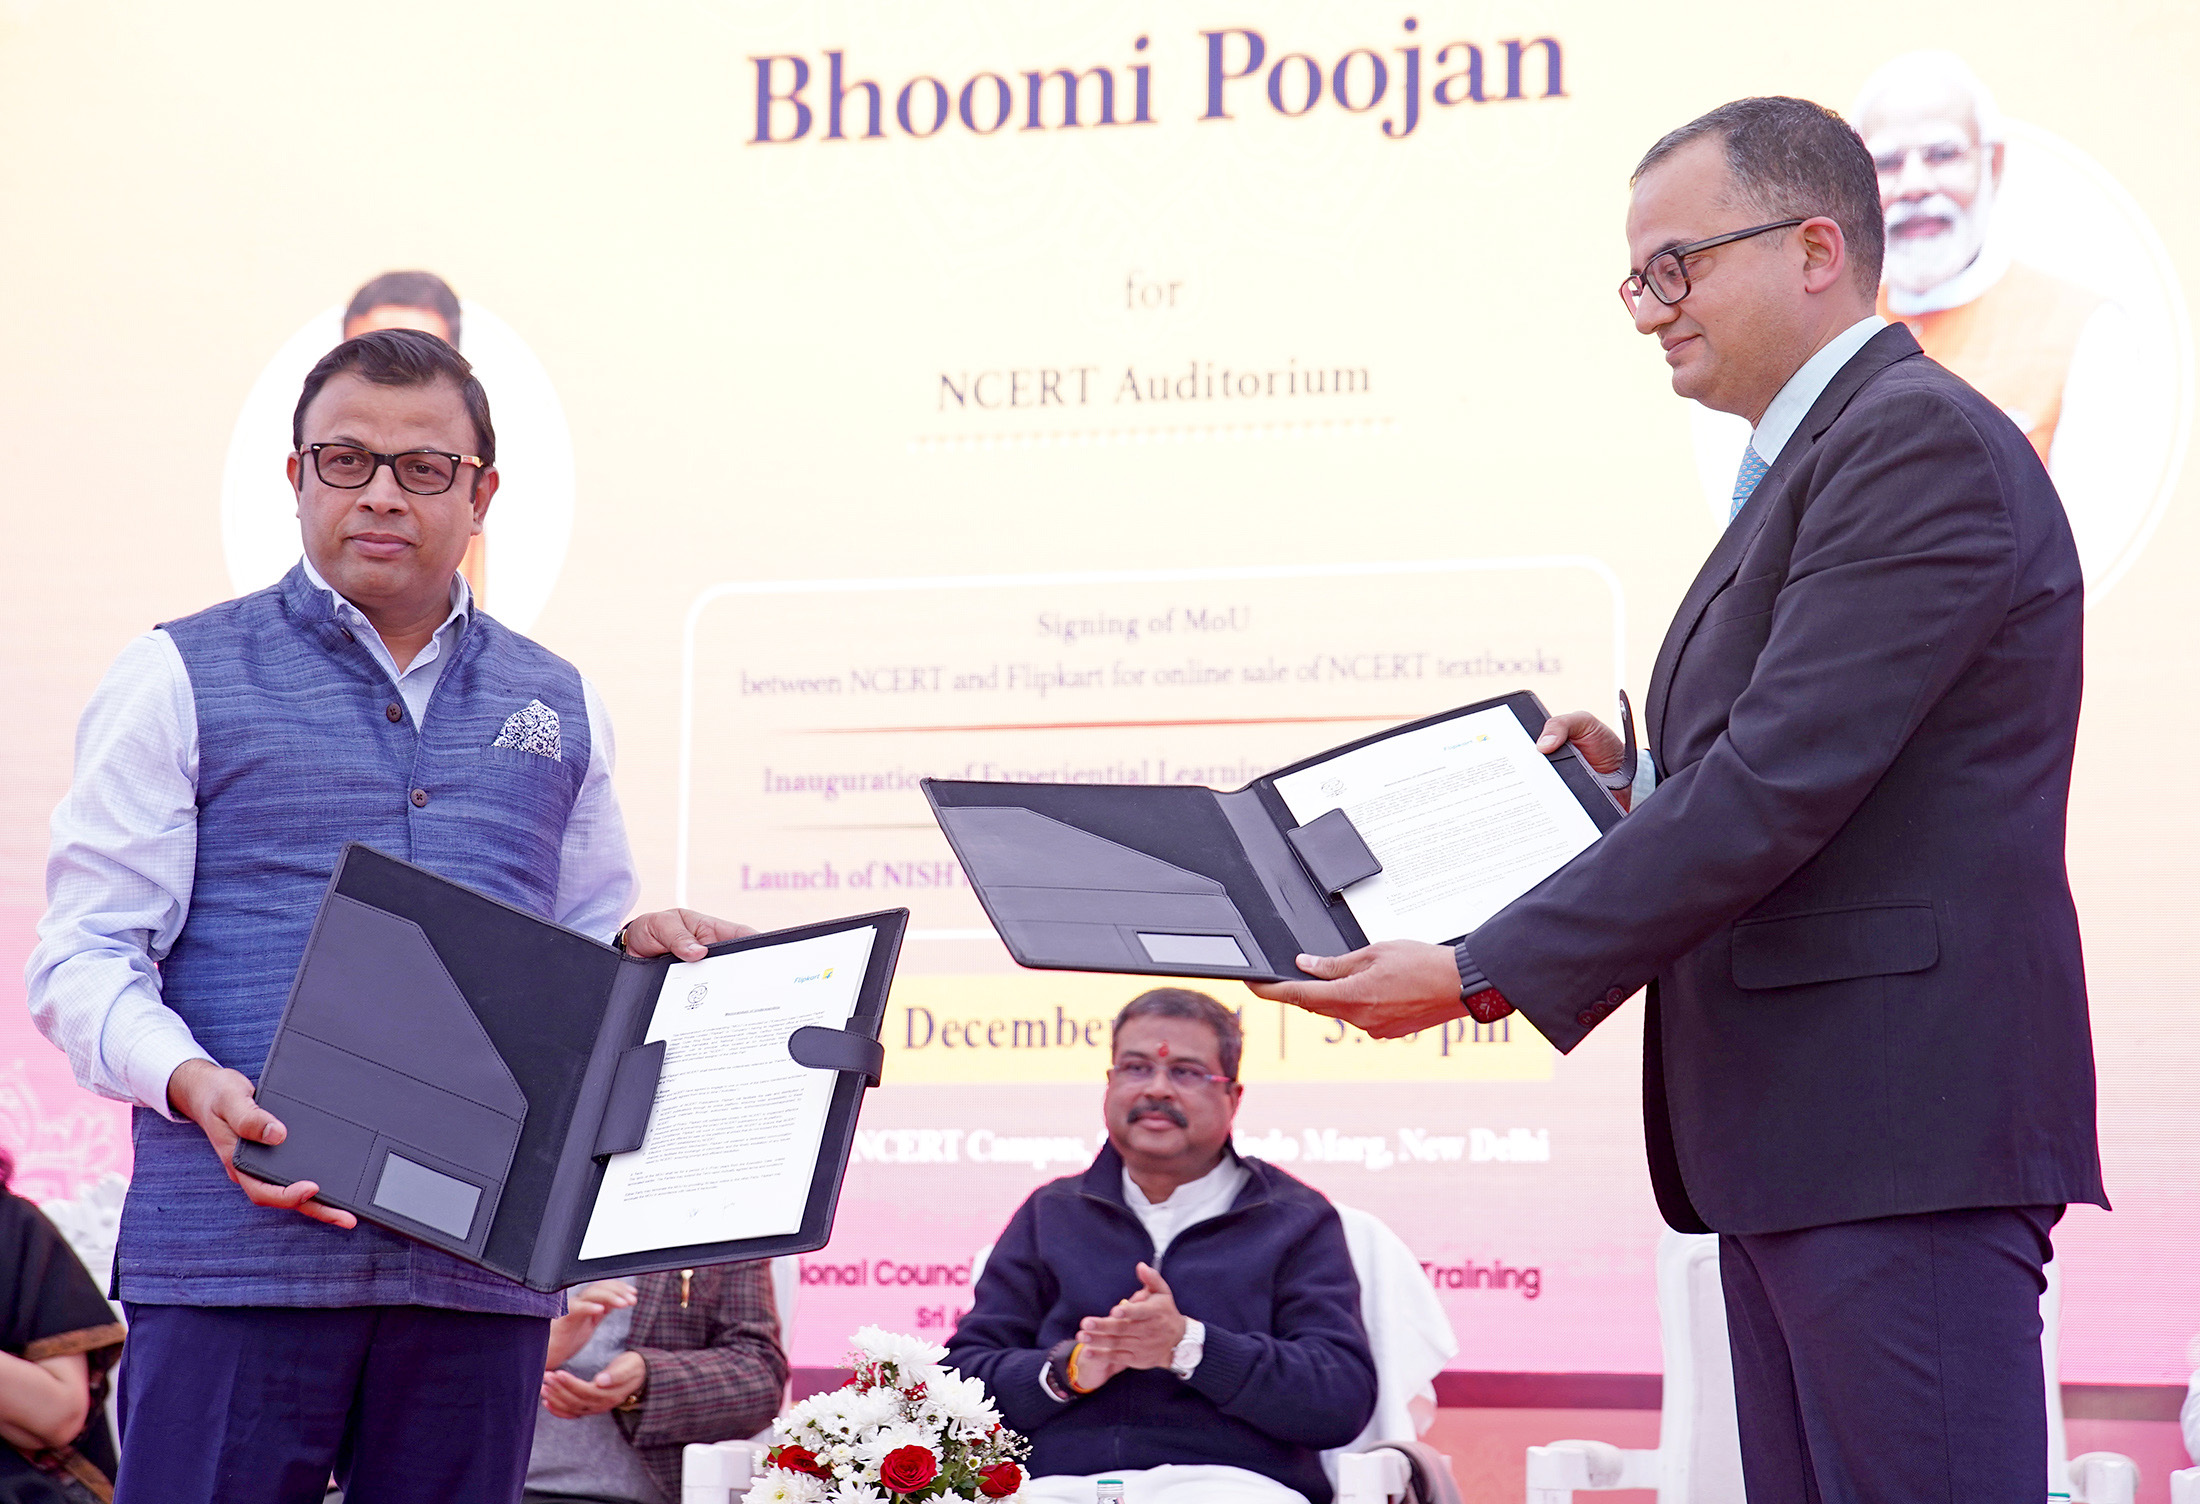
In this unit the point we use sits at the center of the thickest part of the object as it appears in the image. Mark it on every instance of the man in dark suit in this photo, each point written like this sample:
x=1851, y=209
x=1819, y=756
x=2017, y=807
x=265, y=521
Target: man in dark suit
x=1867, y=1062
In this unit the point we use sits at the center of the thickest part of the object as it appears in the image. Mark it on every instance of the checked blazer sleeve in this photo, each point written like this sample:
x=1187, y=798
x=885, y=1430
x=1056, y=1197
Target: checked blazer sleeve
x=717, y=1365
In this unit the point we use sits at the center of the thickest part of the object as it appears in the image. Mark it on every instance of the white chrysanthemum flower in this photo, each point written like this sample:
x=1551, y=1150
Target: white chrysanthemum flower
x=874, y=1448
x=777, y=1486
x=957, y=1406
x=865, y=1410
x=801, y=1421
x=858, y=1493
x=840, y=1410
x=908, y=1353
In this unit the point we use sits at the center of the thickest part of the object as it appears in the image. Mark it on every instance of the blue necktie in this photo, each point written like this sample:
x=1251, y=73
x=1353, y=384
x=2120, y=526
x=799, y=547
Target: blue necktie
x=1745, y=480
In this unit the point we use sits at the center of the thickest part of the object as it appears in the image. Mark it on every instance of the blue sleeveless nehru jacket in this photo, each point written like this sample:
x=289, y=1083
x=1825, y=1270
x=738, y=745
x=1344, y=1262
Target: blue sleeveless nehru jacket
x=304, y=745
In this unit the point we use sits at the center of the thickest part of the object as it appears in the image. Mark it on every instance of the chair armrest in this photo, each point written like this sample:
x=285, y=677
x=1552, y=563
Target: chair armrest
x=718, y=1472
x=1375, y=1476
x=1410, y=1470
x=1557, y=1469
x=2104, y=1478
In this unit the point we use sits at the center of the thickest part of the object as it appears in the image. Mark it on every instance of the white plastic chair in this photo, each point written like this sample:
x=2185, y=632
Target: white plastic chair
x=1698, y=1456
x=2095, y=1477
x=2184, y=1484
x=717, y=1473
x=1410, y=1338
x=1698, y=1459
x=90, y=1221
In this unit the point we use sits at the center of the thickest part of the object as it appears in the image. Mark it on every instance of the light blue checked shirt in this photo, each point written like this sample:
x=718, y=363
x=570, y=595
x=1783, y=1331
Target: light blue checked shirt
x=125, y=843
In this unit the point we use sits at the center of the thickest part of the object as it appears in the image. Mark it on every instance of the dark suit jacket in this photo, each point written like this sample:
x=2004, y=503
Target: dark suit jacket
x=1847, y=892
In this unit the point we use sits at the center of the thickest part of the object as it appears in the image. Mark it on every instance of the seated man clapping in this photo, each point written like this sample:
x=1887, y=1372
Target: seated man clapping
x=1175, y=1316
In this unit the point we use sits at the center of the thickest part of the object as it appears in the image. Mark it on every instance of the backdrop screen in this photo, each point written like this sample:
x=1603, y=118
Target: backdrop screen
x=1109, y=393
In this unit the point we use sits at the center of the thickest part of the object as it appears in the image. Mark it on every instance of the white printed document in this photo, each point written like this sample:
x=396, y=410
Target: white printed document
x=1465, y=816
x=737, y=1125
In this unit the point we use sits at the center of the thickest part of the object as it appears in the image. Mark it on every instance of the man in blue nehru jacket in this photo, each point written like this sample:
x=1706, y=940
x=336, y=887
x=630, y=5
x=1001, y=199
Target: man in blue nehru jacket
x=1175, y=1317
x=221, y=765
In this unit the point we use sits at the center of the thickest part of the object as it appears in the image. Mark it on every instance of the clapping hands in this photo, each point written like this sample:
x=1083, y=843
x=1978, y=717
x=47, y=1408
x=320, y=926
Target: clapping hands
x=1141, y=1332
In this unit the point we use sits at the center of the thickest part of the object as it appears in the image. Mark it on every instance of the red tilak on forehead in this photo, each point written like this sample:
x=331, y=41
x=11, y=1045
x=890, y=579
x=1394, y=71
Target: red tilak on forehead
x=1163, y=1052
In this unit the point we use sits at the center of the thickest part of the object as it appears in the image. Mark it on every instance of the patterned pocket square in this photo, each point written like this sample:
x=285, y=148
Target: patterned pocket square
x=531, y=728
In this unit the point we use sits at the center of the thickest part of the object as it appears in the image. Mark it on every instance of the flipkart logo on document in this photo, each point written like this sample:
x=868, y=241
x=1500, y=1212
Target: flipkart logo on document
x=1039, y=1027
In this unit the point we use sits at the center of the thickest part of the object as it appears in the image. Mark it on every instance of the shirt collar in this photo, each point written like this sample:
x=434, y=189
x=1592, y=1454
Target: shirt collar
x=462, y=597
x=1224, y=1178
x=1803, y=389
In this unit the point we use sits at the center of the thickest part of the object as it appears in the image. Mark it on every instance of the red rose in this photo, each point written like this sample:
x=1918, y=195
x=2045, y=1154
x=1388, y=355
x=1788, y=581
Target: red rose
x=798, y=1460
x=1000, y=1480
x=907, y=1469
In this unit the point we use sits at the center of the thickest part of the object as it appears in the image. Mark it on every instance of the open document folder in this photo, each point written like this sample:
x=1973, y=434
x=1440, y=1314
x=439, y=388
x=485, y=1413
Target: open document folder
x=1420, y=832
x=542, y=1105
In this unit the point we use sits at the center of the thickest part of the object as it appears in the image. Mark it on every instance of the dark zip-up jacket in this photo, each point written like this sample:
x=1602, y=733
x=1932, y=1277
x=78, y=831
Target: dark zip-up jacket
x=1286, y=1371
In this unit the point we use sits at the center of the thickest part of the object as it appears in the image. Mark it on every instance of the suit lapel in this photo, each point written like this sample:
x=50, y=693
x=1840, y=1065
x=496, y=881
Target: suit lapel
x=1883, y=349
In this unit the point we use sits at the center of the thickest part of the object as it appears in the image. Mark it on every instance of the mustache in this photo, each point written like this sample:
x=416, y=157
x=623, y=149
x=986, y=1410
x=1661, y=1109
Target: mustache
x=1932, y=206
x=1155, y=1107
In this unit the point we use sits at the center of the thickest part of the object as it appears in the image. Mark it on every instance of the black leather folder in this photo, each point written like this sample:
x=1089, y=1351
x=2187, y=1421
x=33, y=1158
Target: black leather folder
x=1181, y=880
x=459, y=1070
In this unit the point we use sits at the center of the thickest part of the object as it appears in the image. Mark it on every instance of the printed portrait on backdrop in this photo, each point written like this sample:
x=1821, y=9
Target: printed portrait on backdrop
x=2022, y=266
x=513, y=563
x=423, y=301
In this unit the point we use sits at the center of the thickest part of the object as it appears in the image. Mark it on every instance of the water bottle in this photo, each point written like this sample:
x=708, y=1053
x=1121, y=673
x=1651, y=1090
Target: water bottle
x=1109, y=1491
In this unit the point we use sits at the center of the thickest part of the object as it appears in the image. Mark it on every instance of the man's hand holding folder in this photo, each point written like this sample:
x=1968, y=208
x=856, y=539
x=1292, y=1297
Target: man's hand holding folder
x=1399, y=987
x=685, y=933
x=221, y=1101
x=1389, y=989
x=464, y=1072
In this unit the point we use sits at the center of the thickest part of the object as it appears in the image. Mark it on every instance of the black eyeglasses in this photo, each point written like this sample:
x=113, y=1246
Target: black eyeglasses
x=1183, y=1075
x=423, y=472
x=1666, y=277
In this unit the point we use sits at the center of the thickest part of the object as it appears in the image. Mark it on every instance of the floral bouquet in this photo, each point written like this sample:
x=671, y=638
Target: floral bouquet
x=903, y=1429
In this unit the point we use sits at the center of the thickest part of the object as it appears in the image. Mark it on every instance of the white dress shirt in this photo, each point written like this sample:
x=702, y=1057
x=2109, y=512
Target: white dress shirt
x=1789, y=407
x=1806, y=386
x=1192, y=1202
x=125, y=844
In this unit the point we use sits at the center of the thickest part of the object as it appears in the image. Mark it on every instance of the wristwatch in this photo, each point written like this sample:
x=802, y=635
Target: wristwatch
x=1190, y=1348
